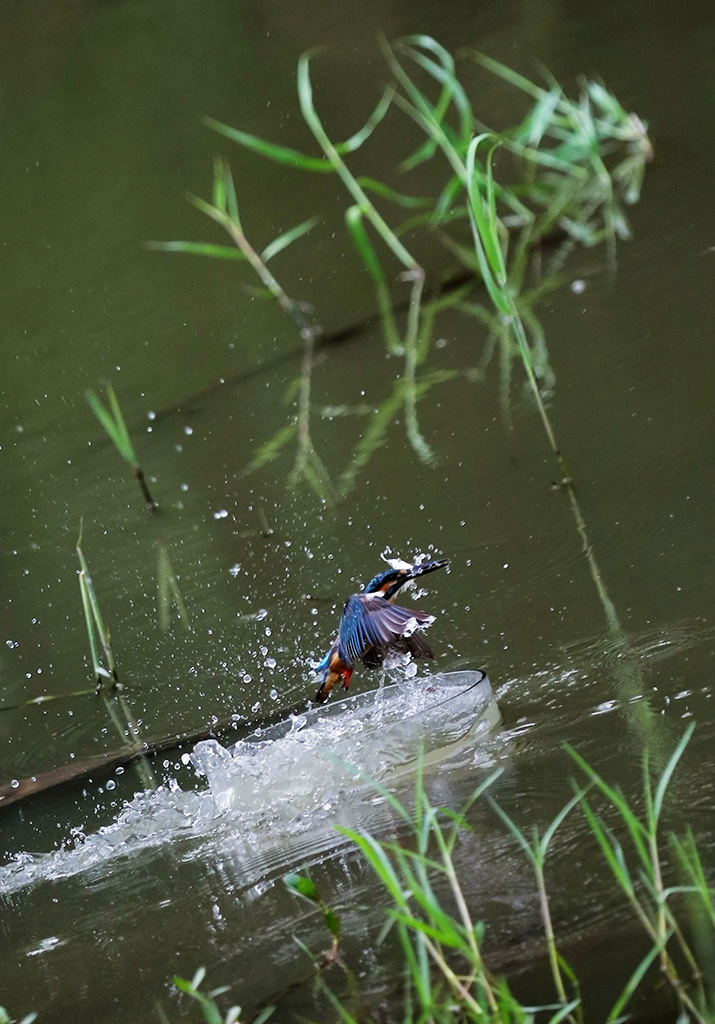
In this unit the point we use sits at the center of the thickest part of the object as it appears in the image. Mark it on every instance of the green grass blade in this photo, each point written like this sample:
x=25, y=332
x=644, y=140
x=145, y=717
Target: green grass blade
x=279, y=154
x=97, y=667
x=669, y=769
x=483, y=209
x=208, y=1006
x=611, y=850
x=219, y=187
x=356, y=140
x=379, y=862
x=220, y=252
x=210, y=211
x=564, y=1011
x=443, y=71
x=636, y=978
x=446, y=938
x=636, y=828
x=508, y=75
x=380, y=189
x=558, y=821
x=310, y=115
x=287, y=238
x=127, y=445
x=516, y=832
x=371, y=261
x=535, y=126
x=230, y=192
x=118, y=437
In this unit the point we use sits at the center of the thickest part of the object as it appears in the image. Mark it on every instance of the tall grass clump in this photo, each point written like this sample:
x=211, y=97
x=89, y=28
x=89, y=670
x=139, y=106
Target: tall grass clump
x=441, y=940
x=678, y=919
x=113, y=422
x=447, y=977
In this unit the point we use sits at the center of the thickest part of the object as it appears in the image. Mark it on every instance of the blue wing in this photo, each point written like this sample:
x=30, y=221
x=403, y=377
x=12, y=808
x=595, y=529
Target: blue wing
x=369, y=621
x=324, y=662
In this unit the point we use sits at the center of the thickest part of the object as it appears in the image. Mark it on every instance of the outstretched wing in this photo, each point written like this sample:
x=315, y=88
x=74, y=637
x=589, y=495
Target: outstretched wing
x=370, y=622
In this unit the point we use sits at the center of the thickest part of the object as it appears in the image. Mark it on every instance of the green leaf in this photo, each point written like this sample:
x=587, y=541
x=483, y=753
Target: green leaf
x=636, y=978
x=443, y=71
x=284, y=240
x=444, y=937
x=517, y=833
x=302, y=886
x=263, y=1016
x=332, y=921
x=669, y=769
x=368, y=254
x=380, y=189
x=113, y=423
x=356, y=140
x=219, y=191
x=220, y=252
x=279, y=154
x=506, y=73
x=198, y=977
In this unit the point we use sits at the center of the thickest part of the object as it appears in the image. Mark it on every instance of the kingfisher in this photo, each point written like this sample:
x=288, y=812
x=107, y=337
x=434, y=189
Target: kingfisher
x=371, y=626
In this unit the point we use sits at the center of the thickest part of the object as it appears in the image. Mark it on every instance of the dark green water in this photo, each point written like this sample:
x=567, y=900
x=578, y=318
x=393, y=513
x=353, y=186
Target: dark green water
x=100, y=119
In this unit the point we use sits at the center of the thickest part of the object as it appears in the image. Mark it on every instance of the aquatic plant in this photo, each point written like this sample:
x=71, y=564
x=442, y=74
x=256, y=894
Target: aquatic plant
x=113, y=422
x=224, y=211
x=104, y=668
x=306, y=888
x=445, y=971
x=207, y=1002
x=580, y=162
x=446, y=974
x=689, y=971
x=97, y=633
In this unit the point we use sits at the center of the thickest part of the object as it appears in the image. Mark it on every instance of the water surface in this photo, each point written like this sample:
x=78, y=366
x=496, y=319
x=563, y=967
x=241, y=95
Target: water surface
x=101, y=114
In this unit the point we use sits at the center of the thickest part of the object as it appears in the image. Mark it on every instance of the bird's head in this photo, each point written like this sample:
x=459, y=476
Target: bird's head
x=389, y=582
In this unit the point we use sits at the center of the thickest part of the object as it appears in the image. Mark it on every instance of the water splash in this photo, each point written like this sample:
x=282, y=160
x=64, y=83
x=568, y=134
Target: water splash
x=287, y=786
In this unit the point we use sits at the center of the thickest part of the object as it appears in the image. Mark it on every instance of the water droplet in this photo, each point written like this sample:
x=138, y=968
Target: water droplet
x=111, y=784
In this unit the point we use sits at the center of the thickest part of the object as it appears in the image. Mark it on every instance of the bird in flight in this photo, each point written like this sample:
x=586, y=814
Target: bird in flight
x=371, y=626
